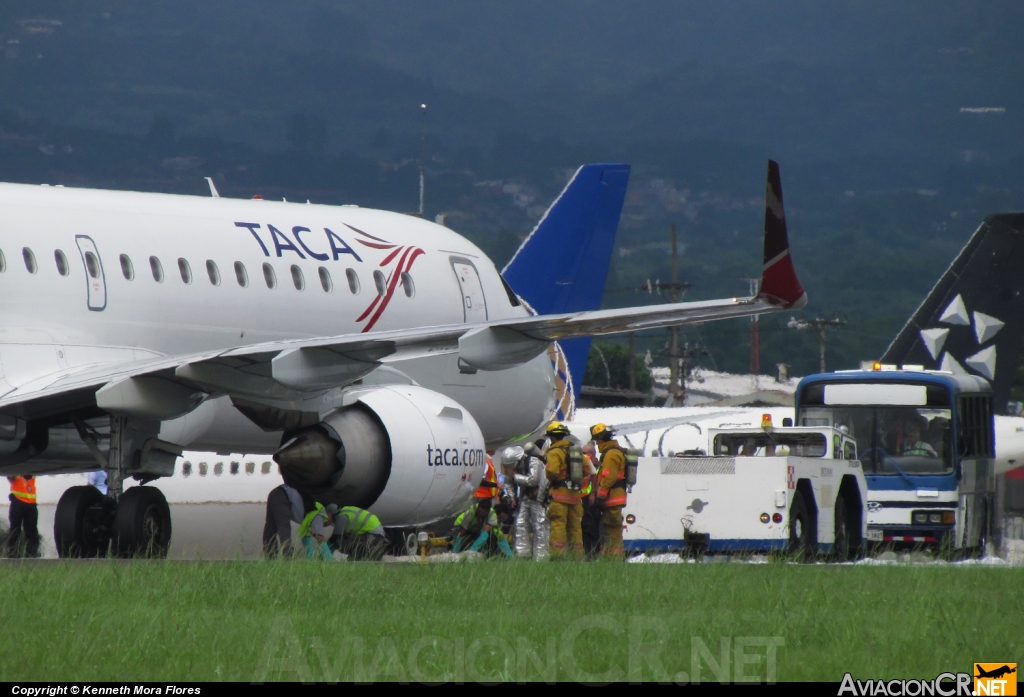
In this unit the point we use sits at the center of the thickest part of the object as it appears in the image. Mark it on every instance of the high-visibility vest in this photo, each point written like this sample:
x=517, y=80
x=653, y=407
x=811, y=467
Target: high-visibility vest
x=491, y=519
x=24, y=489
x=488, y=488
x=588, y=482
x=307, y=522
x=360, y=521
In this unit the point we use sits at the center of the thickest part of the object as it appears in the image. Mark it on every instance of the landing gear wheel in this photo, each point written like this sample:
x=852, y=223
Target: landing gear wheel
x=82, y=524
x=802, y=539
x=143, y=523
x=982, y=547
x=841, y=548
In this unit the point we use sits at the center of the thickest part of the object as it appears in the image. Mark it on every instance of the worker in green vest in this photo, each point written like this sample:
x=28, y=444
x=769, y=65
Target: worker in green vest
x=478, y=530
x=312, y=531
x=359, y=534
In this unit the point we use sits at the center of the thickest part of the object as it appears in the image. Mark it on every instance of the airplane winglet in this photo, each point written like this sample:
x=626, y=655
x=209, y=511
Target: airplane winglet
x=779, y=282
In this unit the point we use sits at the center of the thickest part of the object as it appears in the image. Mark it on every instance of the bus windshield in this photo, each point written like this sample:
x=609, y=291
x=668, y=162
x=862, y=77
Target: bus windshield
x=892, y=439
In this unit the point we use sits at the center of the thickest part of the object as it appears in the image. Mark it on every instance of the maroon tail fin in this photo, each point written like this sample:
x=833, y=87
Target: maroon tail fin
x=779, y=283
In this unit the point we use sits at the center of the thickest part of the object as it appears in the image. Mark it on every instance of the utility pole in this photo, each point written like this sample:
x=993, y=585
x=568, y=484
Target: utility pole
x=685, y=355
x=423, y=152
x=632, y=363
x=676, y=291
x=819, y=325
x=755, y=337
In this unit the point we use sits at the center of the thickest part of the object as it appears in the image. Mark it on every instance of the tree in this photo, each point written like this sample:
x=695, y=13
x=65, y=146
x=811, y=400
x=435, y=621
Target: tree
x=608, y=366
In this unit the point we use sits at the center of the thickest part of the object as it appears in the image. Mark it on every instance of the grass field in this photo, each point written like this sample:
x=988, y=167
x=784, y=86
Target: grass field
x=502, y=621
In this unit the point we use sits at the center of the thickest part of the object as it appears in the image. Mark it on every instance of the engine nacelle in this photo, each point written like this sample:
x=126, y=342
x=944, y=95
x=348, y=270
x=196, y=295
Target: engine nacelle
x=410, y=455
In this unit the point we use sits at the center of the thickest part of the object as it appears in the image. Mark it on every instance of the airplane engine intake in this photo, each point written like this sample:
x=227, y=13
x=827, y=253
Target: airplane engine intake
x=409, y=454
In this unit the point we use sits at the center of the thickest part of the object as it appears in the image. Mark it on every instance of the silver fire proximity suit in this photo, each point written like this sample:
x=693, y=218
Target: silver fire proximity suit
x=533, y=529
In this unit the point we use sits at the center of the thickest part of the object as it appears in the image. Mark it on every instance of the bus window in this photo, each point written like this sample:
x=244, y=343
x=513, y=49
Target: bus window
x=914, y=440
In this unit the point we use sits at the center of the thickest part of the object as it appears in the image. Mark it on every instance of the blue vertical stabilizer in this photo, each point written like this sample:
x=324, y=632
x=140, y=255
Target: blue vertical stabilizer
x=562, y=266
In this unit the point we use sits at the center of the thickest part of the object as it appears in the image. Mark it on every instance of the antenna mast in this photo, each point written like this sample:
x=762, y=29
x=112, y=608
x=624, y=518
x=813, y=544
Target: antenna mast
x=423, y=150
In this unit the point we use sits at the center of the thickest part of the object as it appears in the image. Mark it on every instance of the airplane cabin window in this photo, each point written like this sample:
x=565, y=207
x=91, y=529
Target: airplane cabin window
x=157, y=268
x=241, y=275
x=127, y=270
x=92, y=265
x=353, y=281
x=269, y=276
x=3, y=262
x=30, y=260
x=297, y=278
x=185, y=270
x=213, y=272
x=62, y=262
x=325, y=279
x=408, y=285
x=380, y=282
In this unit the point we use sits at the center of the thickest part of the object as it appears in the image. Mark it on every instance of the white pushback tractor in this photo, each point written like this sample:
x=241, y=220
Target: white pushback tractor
x=797, y=489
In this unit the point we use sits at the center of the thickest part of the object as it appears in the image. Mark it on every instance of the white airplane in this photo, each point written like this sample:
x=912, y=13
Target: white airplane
x=376, y=354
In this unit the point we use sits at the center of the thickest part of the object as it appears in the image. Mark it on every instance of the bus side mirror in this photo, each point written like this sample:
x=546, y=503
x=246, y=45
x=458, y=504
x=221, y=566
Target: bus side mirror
x=787, y=422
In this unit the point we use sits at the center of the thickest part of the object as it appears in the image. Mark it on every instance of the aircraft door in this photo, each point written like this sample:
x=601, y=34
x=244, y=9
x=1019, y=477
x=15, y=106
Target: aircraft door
x=94, y=278
x=474, y=305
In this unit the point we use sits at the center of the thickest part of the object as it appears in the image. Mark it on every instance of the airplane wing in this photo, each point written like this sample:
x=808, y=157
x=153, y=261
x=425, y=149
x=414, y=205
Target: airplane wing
x=166, y=387
x=671, y=422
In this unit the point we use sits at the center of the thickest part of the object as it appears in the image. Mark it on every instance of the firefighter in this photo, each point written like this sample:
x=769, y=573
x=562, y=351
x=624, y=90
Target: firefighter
x=611, y=492
x=24, y=518
x=565, y=512
x=532, y=529
x=359, y=534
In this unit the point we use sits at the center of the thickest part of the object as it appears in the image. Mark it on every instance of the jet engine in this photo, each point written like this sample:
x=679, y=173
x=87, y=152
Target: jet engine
x=411, y=454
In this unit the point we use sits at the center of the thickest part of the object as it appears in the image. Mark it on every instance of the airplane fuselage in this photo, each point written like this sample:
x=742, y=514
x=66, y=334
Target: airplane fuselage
x=91, y=277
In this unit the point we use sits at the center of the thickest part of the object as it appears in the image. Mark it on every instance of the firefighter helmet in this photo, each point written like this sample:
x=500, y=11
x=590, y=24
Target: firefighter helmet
x=557, y=429
x=601, y=431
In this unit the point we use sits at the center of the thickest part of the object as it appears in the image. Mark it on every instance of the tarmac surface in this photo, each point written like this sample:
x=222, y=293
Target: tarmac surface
x=198, y=530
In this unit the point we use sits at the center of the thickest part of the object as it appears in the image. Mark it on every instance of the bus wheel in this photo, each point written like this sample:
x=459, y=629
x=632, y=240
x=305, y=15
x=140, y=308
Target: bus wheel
x=841, y=546
x=983, y=533
x=802, y=542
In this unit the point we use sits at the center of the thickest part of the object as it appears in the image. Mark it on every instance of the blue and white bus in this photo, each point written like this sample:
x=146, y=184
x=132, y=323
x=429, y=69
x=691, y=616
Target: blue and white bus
x=926, y=443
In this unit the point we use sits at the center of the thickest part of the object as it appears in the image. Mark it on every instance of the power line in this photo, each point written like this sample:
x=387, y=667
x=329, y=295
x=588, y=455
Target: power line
x=819, y=325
